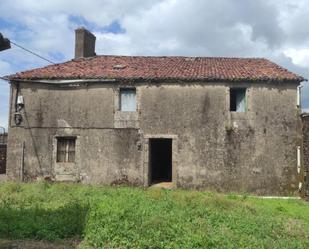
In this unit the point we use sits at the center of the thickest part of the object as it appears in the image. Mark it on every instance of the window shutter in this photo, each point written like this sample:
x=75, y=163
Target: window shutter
x=66, y=150
x=61, y=150
x=71, y=151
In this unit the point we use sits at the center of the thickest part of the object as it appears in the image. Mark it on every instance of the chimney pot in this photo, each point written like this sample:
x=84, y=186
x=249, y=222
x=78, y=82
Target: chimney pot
x=84, y=43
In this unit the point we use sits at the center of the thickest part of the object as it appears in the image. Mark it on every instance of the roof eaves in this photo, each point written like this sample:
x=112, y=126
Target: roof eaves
x=278, y=79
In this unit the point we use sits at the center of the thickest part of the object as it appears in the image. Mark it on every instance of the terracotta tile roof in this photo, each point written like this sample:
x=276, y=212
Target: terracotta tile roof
x=163, y=68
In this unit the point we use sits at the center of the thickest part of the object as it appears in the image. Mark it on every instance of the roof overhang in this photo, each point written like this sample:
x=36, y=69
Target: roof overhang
x=61, y=81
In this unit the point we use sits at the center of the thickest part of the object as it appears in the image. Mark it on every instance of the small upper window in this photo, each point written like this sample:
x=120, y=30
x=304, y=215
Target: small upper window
x=128, y=99
x=238, y=100
x=66, y=150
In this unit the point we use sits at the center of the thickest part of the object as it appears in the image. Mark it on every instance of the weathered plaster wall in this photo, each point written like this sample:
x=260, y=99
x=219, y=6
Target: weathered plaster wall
x=101, y=155
x=216, y=149
x=253, y=151
x=104, y=155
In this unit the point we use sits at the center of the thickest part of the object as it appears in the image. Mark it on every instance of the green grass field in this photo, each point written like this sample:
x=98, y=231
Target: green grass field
x=106, y=217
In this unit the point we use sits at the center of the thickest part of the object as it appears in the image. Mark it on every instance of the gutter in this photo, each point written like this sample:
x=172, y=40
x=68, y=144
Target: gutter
x=151, y=80
x=64, y=82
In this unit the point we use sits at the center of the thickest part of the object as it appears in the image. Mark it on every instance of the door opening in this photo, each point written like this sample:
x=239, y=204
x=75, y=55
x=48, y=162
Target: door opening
x=160, y=154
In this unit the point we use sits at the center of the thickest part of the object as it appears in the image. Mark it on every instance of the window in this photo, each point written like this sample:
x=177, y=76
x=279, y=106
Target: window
x=238, y=100
x=128, y=100
x=66, y=150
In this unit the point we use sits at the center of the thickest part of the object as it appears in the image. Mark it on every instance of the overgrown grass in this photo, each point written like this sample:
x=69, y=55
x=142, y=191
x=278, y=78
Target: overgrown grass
x=136, y=218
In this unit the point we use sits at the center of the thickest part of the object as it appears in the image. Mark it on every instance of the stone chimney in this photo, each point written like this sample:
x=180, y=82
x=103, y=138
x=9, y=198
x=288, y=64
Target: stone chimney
x=84, y=43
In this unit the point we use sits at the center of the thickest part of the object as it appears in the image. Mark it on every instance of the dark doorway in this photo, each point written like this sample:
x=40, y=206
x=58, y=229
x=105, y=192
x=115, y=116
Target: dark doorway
x=160, y=153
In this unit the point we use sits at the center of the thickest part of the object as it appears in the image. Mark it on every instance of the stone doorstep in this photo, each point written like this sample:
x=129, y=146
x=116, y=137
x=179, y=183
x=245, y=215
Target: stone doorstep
x=163, y=185
x=65, y=178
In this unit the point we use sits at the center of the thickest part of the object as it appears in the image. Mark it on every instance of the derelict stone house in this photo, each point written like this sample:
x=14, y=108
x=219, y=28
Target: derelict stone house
x=229, y=124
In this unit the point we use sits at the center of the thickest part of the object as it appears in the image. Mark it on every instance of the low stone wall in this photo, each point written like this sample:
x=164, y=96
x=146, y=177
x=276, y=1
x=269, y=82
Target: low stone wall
x=3, y=148
x=3, y=138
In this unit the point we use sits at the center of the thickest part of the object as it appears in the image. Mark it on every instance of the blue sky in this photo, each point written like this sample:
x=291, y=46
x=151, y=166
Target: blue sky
x=275, y=29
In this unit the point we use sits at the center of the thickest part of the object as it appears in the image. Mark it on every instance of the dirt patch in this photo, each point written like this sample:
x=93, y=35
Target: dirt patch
x=294, y=227
x=3, y=177
x=29, y=244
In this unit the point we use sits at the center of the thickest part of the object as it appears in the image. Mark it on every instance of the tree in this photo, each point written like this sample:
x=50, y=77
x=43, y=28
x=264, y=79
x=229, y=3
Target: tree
x=4, y=43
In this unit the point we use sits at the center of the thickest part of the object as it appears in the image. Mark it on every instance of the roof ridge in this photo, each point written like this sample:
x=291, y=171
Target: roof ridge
x=167, y=56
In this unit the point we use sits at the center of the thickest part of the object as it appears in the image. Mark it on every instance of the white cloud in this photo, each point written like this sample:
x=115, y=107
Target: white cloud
x=299, y=56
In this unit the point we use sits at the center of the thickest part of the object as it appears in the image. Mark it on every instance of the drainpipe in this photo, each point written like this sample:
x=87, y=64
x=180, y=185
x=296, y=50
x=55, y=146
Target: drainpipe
x=299, y=95
x=22, y=162
x=298, y=160
x=298, y=147
x=16, y=96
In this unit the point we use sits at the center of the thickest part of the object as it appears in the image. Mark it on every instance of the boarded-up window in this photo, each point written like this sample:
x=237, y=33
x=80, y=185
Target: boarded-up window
x=238, y=100
x=66, y=150
x=128, y=100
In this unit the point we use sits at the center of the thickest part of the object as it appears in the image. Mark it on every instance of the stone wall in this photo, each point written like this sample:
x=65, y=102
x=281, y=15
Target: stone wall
x=3, y=138
x=305, y=119
x=3, y=152
x=213, y=148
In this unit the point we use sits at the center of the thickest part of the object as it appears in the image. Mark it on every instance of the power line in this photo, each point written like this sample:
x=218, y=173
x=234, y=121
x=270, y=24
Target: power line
x=29, y=51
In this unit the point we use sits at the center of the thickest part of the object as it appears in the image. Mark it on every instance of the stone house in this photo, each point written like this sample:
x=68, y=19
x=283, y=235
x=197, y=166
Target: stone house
x=225, y=124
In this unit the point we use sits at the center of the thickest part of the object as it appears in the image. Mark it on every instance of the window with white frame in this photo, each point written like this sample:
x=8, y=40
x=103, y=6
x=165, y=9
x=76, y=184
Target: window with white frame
x=127, y=100
x=66, y=149
x=238, y=102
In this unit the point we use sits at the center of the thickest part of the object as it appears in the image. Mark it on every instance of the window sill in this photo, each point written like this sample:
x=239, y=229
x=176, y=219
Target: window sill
x=239, y=115
x=66, y=178
x=65, y=163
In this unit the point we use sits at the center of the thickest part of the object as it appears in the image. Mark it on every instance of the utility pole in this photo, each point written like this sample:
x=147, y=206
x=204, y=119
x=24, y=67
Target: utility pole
x=4, y=43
